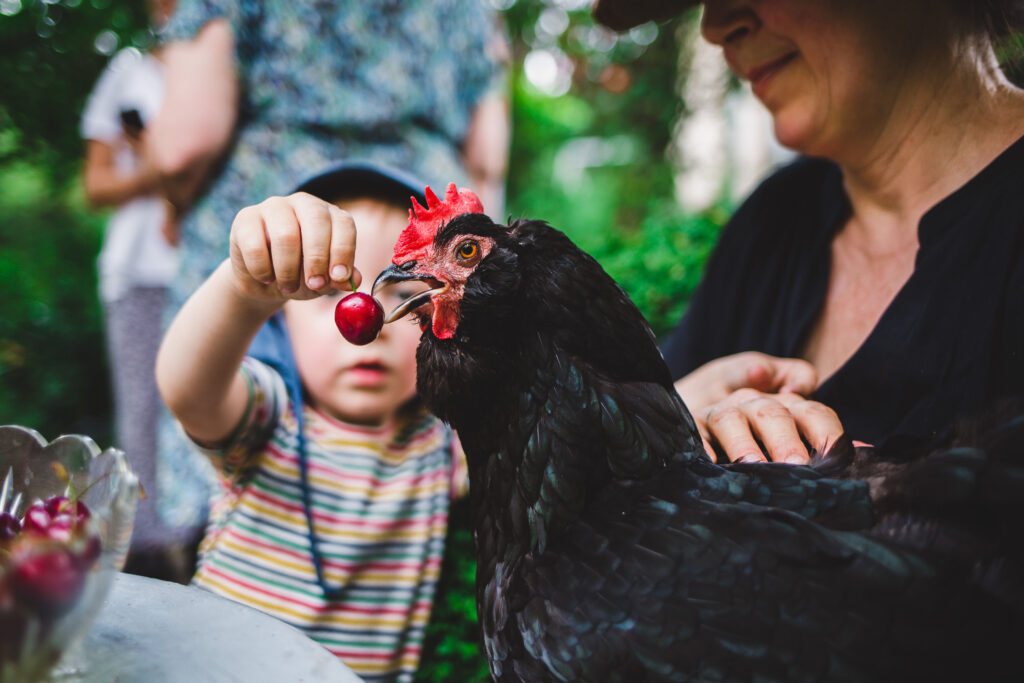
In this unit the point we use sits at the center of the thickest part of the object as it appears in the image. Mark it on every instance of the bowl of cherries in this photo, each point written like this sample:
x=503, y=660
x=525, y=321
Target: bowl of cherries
x=66, y=513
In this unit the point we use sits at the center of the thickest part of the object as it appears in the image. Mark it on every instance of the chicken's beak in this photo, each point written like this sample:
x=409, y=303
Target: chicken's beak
x=404, y=273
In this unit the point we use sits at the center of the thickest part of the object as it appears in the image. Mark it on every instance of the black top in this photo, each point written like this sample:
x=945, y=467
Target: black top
x=950, y=342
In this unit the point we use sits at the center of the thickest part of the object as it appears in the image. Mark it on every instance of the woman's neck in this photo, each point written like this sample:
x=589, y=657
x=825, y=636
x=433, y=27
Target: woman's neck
x=941, y=133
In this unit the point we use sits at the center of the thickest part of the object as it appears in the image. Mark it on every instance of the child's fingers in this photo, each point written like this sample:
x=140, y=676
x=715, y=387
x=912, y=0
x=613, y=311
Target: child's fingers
x=343, y=245
x=249, y=243
x=315, y=218
x=283, y=234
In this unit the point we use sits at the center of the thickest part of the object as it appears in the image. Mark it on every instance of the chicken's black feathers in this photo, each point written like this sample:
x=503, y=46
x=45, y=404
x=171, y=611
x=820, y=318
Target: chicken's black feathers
x=611, y=548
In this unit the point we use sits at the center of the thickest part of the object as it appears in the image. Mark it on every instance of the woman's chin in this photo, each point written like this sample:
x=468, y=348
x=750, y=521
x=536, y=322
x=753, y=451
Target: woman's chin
x=794, y=133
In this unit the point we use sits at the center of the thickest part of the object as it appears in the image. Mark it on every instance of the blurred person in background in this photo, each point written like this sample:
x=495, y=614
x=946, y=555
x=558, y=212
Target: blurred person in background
x=876, y=284
x=135, y=266
x=259, y=94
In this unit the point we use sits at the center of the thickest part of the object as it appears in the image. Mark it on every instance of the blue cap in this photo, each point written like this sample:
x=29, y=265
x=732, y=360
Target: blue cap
x=364, y=179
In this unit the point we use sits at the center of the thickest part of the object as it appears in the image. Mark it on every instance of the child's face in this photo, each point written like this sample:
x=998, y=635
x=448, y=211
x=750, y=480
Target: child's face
x=359, y=384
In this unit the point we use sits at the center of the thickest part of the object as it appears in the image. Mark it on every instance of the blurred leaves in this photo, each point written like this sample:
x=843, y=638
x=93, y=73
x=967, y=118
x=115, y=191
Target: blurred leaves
x=53, y=377
x=452, y=649
x=53, y=374
x=49, y=59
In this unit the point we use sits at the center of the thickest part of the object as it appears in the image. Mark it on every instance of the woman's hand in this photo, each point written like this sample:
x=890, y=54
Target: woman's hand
x=749, y=400
x=295, y=247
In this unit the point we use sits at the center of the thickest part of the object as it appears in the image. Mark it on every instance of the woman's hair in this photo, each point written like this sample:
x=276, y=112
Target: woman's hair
x=1000, y=18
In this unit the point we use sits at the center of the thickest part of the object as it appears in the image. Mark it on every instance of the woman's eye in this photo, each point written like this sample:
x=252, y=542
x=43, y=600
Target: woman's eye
x=468, y=250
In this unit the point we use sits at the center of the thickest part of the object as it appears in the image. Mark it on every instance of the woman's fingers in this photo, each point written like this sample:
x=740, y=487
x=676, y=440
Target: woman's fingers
x=748, y=406
x=752, y=426
x=729, y=427
x=716, y=380
x=819, y=424
x=777, y=430
x=705, y=436
x=795, y=375
x=772, y=374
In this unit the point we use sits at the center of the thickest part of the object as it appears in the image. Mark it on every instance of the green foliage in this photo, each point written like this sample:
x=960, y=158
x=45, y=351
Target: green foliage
x=660, y=264
x=452, y=650
x=52, y=374
x=1010, y=52
x=48, y=64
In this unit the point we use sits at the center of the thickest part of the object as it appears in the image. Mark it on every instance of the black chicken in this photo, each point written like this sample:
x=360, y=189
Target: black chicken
x=610, y=547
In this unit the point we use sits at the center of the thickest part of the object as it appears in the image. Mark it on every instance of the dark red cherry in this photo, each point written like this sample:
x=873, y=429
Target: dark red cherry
x=56, y=519
x=48, y=581
x=9, y=526
x=36, y=519
x=56, y=505
x=359, y=318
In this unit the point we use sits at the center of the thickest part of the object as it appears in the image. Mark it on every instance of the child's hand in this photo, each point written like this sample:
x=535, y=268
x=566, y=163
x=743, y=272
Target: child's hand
x=295, y=247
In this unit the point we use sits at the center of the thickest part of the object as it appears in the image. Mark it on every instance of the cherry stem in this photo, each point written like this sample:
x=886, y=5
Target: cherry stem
x=352, y=283
x=95, y=481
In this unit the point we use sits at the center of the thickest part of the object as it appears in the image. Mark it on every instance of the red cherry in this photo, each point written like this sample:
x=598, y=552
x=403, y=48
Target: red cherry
x=36, y=519
x=359, y=318
x=88, y=555
x=55, y=504
x=48, y=581
x=62, y=504
x=54, y=519
x=61, y=527
x=9, y=526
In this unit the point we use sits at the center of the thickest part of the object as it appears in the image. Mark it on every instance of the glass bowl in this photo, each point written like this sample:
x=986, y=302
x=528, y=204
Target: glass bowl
x=58, y=561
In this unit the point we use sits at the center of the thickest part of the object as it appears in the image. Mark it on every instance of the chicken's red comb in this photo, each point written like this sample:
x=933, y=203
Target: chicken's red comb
x=425, y=221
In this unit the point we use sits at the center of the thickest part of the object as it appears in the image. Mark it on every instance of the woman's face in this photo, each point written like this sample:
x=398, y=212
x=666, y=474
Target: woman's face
x=827, y=70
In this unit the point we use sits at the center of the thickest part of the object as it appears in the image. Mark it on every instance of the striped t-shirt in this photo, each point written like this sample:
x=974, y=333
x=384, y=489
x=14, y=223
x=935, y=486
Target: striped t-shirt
x=380, y=501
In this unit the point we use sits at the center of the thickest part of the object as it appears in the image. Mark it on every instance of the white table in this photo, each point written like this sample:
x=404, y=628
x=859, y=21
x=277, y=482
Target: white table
x=159, y=632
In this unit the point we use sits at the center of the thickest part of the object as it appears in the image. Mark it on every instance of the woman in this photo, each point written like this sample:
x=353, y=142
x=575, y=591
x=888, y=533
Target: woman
x=883, y=275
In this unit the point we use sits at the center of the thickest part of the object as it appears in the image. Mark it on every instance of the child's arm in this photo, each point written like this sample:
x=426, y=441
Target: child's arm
x=273, y=245
x=105, y=185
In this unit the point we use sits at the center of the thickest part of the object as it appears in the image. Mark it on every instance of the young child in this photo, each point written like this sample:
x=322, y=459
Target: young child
x=339, y=481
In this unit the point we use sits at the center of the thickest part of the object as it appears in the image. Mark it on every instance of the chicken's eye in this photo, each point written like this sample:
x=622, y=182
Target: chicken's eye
x=468, y=250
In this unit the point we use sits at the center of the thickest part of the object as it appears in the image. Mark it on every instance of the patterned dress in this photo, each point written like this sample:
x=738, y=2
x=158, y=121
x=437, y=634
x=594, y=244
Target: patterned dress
x=392, y=81
x=379, y=503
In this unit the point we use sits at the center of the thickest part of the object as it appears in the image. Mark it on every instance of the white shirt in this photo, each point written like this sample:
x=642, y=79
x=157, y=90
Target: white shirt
x=134, y=253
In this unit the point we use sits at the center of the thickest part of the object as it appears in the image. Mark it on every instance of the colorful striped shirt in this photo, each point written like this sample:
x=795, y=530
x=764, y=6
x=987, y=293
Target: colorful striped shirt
x=380, y=500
